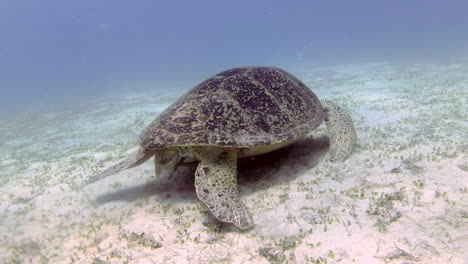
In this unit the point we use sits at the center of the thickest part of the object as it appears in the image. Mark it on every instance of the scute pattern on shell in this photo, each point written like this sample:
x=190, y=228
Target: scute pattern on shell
x=239, y=107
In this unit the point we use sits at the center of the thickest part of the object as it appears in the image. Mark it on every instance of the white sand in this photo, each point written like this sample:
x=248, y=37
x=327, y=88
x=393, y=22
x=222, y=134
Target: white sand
x=400, y=198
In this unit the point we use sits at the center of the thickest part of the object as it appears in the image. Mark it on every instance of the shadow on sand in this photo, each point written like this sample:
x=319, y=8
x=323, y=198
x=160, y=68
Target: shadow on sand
x=261, y=171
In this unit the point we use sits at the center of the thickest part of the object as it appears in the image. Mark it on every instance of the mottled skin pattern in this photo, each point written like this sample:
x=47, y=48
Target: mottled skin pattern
x=340, y=130
x=237, y=113
x=216, y=185
x=239, y=107
x=137, y=158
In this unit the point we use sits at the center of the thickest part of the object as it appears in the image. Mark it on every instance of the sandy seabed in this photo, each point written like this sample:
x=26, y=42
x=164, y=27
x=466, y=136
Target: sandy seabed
x=401, y=197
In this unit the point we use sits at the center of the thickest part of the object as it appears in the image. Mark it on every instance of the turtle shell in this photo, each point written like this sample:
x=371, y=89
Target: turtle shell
x=240, y=107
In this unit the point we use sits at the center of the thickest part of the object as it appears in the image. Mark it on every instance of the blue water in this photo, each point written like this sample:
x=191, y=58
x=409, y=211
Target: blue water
x=81, y=79
x=55, y=51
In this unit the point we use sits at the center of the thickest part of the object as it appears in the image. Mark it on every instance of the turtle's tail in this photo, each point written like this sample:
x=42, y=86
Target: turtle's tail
x=135, y=159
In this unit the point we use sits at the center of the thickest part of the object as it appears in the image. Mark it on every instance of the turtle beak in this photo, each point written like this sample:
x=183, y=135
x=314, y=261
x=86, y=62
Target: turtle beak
x=166, y=160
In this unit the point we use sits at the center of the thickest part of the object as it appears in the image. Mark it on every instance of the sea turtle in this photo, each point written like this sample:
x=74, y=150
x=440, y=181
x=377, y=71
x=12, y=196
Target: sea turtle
x=237, y=113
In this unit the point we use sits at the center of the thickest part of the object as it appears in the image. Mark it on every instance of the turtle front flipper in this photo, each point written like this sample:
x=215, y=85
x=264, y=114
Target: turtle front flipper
x=216, y=185
x=340, y=129
x=135, y=159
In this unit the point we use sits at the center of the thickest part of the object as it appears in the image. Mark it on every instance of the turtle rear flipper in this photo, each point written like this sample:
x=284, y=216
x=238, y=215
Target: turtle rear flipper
x=216, y=185
x=135, y=159
x=340, y=130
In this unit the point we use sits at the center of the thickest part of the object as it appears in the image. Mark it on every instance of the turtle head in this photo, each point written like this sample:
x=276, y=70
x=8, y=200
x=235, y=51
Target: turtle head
x=166, y=159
